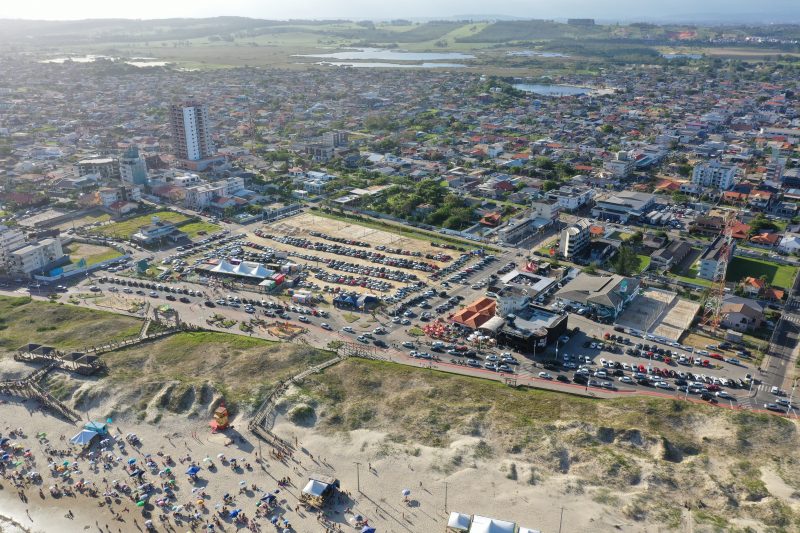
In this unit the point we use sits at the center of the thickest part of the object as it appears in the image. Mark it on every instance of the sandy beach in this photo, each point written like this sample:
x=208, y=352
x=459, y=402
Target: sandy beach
x=383, y=471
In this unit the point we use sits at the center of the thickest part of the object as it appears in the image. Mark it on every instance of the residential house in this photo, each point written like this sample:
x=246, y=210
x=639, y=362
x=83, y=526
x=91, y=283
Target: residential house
x=666, y=258
x=741, y=314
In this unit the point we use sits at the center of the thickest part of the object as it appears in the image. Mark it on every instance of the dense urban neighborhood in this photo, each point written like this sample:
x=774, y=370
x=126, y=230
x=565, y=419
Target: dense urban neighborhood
x=279, y=243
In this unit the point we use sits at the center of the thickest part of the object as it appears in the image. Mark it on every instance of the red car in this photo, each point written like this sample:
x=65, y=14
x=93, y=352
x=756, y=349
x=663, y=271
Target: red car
x=716, y=356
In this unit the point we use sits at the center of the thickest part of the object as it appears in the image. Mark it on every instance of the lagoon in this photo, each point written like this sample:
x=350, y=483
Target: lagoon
x=357, y=54
x=552, y=90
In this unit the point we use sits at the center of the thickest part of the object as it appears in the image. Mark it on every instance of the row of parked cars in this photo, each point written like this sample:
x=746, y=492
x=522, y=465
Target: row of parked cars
x=463, y=275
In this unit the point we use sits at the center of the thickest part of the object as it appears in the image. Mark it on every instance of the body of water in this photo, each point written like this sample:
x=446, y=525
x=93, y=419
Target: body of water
x=390, y=65
x=534, y=53
x=682, y=56
x=141, y=62
x=552, y=90
x=380, y=54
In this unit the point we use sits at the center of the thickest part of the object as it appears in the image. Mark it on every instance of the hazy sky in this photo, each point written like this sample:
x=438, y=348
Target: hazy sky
x=763, y=10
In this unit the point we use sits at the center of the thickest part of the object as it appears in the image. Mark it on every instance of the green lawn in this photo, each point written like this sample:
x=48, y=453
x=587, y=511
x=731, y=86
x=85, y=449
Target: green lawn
x=74, y=250
x=691, y=277
x=64, y=326
x=644, y=262
x=126, y=228
x=620, y=235
x=193, y=229
x=778, y=275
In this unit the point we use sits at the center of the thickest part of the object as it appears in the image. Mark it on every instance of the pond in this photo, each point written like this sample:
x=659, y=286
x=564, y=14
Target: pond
x=390, y=65
x=552, y=90
x=357, y=54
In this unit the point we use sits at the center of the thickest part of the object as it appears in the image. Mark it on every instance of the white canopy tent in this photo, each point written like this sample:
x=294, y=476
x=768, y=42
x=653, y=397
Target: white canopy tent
x=526, y=530
x=85, y=437
x=458, y=521
x=315, y=488
x=245, y=269
x=483, y=524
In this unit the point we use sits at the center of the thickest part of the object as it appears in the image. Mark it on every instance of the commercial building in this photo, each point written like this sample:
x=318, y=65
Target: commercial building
x=36, y=256
x=574, y=239
x=191, y=131
x=714, y=175
x=571, y=197
x=715, y=259
x=542, y=215
x=607, y=294
x=623, y=205
x=105, y=167
x=621, y=166
x=530, y=329
x=132, y=167
x=157, y=231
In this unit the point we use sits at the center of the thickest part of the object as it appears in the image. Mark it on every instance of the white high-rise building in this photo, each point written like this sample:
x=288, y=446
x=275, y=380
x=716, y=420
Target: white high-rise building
x=714, y=175
x=191, y=131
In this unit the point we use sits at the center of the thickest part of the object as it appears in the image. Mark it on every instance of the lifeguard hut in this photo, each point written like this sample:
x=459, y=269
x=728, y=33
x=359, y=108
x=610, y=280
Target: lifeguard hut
x=220, y=421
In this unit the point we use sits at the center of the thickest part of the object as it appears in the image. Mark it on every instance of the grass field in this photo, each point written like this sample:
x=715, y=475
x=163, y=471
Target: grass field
x=777, y=275
x=644, y=262
x=193, y=229
x=63, y=326
x=126, y=228
x=243, y=368
x=92, y=253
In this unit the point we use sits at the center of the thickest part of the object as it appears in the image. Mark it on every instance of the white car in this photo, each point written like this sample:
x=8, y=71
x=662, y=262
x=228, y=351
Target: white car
x=625, y=379
x=302, y=318
x=348, y=329
x=545, y=375
x=325, y=326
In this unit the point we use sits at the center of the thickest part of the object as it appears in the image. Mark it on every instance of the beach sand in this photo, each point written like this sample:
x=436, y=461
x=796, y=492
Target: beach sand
x=385, y=469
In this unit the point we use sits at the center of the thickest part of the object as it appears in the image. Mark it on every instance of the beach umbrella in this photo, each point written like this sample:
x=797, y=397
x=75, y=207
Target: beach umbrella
x=406, y=492
x=140, y=503
x=368, y=529
x=193, y=470
x=242, y=482
x=65, y=463
x=220, y=455
x=168, y=470
x=201, y=503
x=109, y=421
x=358, y=518
x=206, y=459
x=235, y=513
x=131, y=461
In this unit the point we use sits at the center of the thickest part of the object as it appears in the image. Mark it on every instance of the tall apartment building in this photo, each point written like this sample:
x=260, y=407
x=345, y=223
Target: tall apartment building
x=574, y=239
x=714, y=175
x=132, y=167
x=36, y=255
x=714, y=260
x=10, y=239
x=191, y=131
x=106, y=167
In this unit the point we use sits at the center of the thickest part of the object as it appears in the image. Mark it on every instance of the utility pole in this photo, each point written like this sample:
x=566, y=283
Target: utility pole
x=358, y=476
x=445, y=496
x=560, y=520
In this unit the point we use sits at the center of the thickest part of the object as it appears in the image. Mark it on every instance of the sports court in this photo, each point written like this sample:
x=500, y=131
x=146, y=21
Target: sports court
x=659, y=312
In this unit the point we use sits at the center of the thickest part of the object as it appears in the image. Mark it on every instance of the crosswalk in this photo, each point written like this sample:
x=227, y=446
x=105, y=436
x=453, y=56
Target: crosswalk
x=791, y=318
